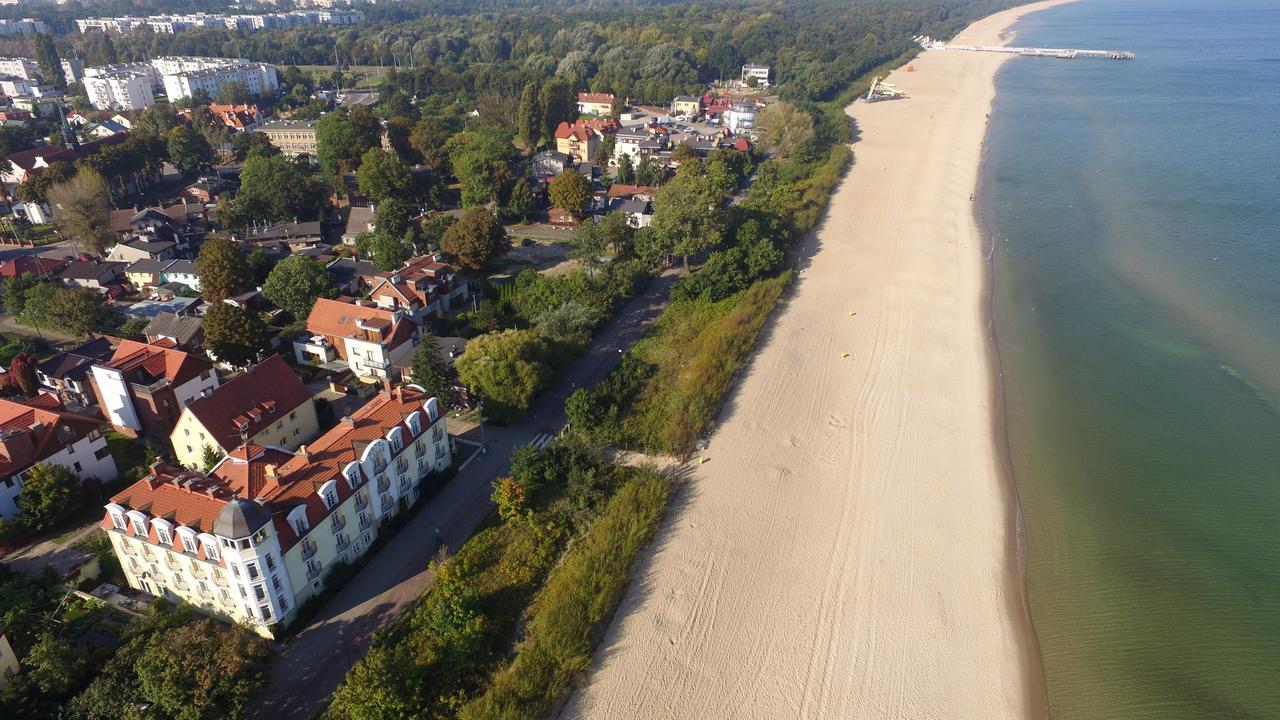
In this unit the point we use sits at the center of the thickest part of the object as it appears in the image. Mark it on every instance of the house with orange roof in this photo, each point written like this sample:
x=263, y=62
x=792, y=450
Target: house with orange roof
x=253, y=540
x=373, y=341
x=42, y=431
x=581, y=139
x=590, y=103
x=426, y=287
x=143, y=388
x=267, y=404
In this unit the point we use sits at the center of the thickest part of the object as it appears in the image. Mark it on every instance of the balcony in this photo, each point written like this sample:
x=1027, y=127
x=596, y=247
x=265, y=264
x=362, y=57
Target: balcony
x=404, y=483
x=376, y=364
x=152, y=388
x=339, y=522
x=402, y=465
x=384, y=484
x=314, y=570
x=308, y=549
x=181, y=585
x=379, y=465
x=365, y=522
x=344, y=543
x=362, y=501
x=387, y=503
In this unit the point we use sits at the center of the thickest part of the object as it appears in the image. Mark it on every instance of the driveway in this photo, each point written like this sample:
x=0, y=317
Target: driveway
x=309, y=667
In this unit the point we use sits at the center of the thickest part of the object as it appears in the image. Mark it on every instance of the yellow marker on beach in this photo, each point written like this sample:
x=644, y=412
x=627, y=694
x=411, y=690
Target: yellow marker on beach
x=844, y=355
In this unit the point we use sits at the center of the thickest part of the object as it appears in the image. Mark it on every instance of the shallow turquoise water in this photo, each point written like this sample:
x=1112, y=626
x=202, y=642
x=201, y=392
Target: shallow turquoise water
x=1135, y=210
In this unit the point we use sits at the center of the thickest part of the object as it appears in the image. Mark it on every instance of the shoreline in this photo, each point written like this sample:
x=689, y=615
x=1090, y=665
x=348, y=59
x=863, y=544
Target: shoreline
x=855, y=546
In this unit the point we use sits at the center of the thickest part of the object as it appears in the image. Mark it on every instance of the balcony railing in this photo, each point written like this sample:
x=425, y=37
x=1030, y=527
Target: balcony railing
x=376, y=364
x=308, y=549
x=387, y=503
x=151, y=389
x=339, y=522
x=404, y=483
x=384, y=484
x=181, y=585
x=314, y=570
x=344, y=543
x=402, y=465
x=379, y=465
x=365, y=522
x=362, y=501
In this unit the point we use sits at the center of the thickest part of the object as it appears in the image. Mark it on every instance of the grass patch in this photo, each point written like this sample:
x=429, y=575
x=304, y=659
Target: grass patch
x=580, y=596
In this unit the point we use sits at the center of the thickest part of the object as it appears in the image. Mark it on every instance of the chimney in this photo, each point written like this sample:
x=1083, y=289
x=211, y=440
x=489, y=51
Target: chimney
x=302, y=451
x=386, y=385
x=348, y=421
x=271, y=471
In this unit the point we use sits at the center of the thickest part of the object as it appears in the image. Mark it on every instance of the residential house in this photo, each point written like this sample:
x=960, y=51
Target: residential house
x=600, y=104
x=686, y=106
x=143, y=248
x=581, y=139
x=20, y=164
x=639, y=212
x=66, y=374
x=143, y=388
x=205, y=190
x=550, y=163
x=236, y=118
x=42, y=431
x=162, y=302
x=294, y=234
x=103, y=128
x=349, y=273
x=253, y=540
x=186, y=332
x=9, y=665
x=266, y=405
x=426, y=287
x=755, y=75
x=38, y=265
x=93, y=273
x=182, y=272
x=373, y=341
x=145, y=273
x=359, y=220
x=621, y=190
x=741, y=118
x=562, y=218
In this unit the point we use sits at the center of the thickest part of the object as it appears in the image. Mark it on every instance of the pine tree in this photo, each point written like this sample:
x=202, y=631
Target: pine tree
x=529, y=121
x=49, y=63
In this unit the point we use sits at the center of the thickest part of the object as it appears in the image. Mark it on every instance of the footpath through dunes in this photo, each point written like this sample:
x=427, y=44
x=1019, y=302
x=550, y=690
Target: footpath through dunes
x=849, y=548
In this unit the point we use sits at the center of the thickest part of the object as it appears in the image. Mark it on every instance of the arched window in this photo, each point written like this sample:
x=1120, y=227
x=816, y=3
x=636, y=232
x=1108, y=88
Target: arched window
x=329, y=494
x=117, y=516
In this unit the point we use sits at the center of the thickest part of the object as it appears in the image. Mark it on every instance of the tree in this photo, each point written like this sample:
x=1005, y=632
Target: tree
x=252, y=144
x=189, y=151
x=428, y=138
x=271, y=188
x=558, y=103
x=685, y=153
x=387, y=252
x=235, y=92
x=82, y=211
x=36, y=187
x=209, y=456
x=201, y=670
x=784, y=127
x=15, y=138
x=618, y=234
x=15, y=292
x=222, y=268
x=22, y=373
x=49, y=63
x=688, y=214
x=78, y=310
x=529, y=117
x=648, y=172
x=570, y=191
x=475, y=240
x=430, y=372
x=234, y=336
x=384, y=175
x=508, y=495
x=337, y=147
x=391, y=216
x=520, y=203
x=626, y=170
x=296, y=282
x=588, y=246
x=50, y=494
x=156, y=120
x=507, y=369
x=56, y=666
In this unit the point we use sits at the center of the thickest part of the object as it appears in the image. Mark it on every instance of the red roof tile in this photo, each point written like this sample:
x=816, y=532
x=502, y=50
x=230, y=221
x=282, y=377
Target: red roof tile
x=250, y=402
x=143, y=363
x=32, y=431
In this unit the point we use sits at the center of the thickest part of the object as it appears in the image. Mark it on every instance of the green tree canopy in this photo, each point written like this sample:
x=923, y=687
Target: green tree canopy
x=475, y=240
x=384, y=175
x=222, y=268
x=386, y=251
x=391, y=216
x=272, y=188
x=507, y=368
x=201, y=671
x=337, y=146
x=296, y=282
x=189, y=151
x=82, y=210
x=50, y=494
x=48, y=62
x=689, y=214
x=784, y=128
x=428, y=138
x=570, y=191
x=529, y=116
x=430, y=371
x=233, y=335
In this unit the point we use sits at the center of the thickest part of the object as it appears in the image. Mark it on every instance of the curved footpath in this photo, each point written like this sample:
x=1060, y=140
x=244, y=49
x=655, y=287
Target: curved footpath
x=850, y=548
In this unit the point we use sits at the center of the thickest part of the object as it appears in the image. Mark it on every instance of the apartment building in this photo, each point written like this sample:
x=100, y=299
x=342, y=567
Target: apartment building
x=741, y=118
x=176, y=23
x=757, y=74
x=260, y=78
x=267, y=404
x=252, y=541
x=143, y=388
x=120, y=90
x=590, y=103
x=292, y=137
x=19, y=68
x=581, y=139
x=41, y=431
x=25, y=26
x=373, y=341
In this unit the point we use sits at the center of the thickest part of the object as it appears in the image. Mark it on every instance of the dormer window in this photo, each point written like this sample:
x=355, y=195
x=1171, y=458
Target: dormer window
x=210, y=544
x=117, y=521
x=189, y=544
x=163, y=536
x=140, y=527
x=330, y=499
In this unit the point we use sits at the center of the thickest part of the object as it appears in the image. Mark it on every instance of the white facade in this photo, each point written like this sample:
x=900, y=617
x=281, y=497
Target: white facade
x=176, y=23
x=260, y=78
x=16, y=86
x=25, y=26
x=759, y=73
x=87, y=457
x=124, y=90
x=741, y=118
x=370, y=359
x=19, y=68
x=117, y=400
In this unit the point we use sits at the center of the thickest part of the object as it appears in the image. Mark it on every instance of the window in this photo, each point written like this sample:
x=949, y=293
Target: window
x=210, y=550
x=275, y=583
x=259, y=593
x=77, y=466
x=331, y=499
x=101, y=453
x=252, y=569
x=189, y=448
x=189, y=544
x=300, y=525
x=140, y=527
x=284, y=605
x=186, y=432
x=293, y=416
x=117, y=521
x=271, y=563
x=296, y=432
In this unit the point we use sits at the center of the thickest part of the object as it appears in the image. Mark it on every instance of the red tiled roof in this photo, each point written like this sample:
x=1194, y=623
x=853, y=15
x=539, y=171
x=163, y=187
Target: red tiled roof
x=146, y=364
x=619, y=190
x=582, y=129
x=250, y=402
x=32, y=431
x=339, y=319
x=182, y=497
x=420, y=281
x=34, y=264
x=245, y=470
x=590, y=97
x=27, y=158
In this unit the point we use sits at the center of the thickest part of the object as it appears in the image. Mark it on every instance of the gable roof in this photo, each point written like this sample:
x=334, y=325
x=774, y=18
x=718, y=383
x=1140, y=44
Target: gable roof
x=74, y=364
x=182, y=328
x=343, y=318
x=250, y=402
x=595, y=97
x=33, y=264
x=27, y=158
x=619, y=190
x=32, y=431
x=146, y=364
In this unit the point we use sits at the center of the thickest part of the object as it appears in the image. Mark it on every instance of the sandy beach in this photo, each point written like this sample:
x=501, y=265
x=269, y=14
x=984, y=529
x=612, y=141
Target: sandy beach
x=850, y=549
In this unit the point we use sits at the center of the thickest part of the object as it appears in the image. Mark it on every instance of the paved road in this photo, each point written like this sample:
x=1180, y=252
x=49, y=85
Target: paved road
x=309, y=667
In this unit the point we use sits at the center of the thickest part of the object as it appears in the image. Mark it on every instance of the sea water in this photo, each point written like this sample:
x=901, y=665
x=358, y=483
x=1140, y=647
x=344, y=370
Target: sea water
x=1134, y=209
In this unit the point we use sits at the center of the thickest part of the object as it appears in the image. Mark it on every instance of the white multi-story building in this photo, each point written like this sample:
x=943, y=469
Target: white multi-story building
x=73, y=69
x=146, y=68
x=121, y=90
x=758, y=73
x=253, y=540
x=741, y=118
x=25, y=26
x=19, y=68
x=42, y=432
x=170, y=24
x=183, y=76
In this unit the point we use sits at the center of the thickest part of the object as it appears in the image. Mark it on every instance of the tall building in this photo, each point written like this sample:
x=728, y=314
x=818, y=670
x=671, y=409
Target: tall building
x=253, y=540
x=19, y=68
x=260, y=78
x=120, y=90
x=143, y=388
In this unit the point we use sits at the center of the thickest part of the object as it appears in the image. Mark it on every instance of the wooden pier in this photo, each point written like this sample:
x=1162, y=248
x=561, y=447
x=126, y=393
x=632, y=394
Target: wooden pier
x=1060, y=53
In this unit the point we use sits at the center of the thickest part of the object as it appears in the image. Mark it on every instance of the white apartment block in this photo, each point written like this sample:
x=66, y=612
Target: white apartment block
x=19, y=68
x=48, y=434
x=759, y=73
x=25, y=26
x=253, y=540
x=170, y=24
x=260, y=78
x=122, y=90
